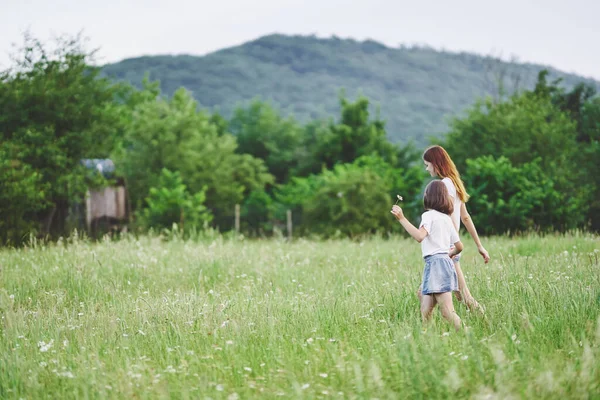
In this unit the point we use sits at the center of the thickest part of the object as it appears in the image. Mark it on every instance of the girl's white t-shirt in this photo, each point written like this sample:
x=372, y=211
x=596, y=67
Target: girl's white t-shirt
x=441, y=233
x=455, y=201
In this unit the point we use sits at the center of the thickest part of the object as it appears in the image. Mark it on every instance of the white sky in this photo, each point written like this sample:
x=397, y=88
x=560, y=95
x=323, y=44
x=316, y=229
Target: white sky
x=563, y=34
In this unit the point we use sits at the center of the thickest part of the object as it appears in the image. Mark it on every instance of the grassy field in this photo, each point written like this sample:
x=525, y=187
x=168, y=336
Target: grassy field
x=234, y=319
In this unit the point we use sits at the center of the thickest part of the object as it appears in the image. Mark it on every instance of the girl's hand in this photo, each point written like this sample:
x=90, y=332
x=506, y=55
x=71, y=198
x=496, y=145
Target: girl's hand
x=484, y=254
x=397, y=211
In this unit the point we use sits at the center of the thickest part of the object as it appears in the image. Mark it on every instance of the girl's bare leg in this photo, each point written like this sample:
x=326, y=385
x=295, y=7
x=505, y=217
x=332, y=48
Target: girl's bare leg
x=420, y=296
x=447, y=309
x=427, y=305
x=464, y=294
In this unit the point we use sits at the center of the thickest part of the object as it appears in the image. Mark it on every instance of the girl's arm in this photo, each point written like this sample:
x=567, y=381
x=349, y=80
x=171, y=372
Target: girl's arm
x=458, y=247
x=468, y=223
x=417, y=234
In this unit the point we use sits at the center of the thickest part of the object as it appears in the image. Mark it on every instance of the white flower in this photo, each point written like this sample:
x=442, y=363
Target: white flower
x=170, y=369
x=309, y=340
x=323, y=375
x=219, y=388
x=66, y=374
x=248, y=369
x=446, y=334
x=464, y=358
x=305, y=386
x=44, y=347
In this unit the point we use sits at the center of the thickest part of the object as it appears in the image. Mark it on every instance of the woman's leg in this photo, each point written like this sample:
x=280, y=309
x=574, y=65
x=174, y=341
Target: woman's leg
x=447, y=309
x=464, y=294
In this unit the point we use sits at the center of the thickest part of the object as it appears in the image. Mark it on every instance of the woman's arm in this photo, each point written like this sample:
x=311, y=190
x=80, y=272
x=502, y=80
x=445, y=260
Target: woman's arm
x=468, y=223
x=417, y=234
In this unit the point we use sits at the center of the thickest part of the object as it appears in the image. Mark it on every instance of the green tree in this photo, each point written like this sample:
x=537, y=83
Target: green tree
x=173, y=134
x=506, y=198
x=352, y=198
x=526, y=127
x=171, y=203
x=263, y=133
x=56, y=110
x=354, y=136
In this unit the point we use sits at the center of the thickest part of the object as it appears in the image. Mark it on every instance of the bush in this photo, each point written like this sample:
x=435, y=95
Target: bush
x=505, y=198
x=171, y=203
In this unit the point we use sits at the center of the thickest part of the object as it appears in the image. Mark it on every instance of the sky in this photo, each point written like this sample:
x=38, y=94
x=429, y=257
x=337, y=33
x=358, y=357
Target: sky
x=561, y=34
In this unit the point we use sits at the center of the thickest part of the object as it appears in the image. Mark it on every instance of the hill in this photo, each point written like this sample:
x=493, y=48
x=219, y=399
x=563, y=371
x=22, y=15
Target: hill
x=415, y=89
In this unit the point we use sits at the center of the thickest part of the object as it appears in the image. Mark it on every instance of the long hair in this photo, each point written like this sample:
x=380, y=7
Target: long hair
x=445, y=168
x=437, y=198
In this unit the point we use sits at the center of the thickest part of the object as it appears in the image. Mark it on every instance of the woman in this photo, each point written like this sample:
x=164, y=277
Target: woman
x=438, y=163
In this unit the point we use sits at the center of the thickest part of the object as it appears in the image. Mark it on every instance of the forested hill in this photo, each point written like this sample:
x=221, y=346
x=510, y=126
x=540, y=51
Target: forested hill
x=415, y=89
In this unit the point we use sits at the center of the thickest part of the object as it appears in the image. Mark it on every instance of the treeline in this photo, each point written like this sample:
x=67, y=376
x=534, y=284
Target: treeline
x=530, y=161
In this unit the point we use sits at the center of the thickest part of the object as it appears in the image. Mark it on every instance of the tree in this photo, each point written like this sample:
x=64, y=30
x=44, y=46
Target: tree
x=171, y=203
x=173, y=134
x=261, y=132
x=56, y=110
x=506, y=198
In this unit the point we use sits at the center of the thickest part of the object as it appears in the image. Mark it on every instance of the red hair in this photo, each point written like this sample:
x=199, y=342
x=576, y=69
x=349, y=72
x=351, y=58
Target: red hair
x=444, y=167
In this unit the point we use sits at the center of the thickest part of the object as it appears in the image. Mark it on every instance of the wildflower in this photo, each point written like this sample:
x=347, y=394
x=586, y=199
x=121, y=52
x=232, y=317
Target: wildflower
x=44, y=347
x=323, y=375
x=170, y=369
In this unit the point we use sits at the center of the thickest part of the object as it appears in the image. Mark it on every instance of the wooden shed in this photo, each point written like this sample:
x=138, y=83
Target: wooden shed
x=108, y=205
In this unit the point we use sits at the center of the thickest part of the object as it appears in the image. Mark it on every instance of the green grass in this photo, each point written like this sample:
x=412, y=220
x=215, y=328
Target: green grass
x=225, y=318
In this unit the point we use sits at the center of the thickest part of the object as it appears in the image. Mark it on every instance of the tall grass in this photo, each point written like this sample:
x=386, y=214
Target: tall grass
x=227, y=318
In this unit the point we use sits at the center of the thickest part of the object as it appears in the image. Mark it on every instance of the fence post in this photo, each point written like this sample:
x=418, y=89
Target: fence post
x=237, y=218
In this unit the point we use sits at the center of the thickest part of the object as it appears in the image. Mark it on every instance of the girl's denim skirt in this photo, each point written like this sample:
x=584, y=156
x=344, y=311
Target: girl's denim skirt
x=439, y=275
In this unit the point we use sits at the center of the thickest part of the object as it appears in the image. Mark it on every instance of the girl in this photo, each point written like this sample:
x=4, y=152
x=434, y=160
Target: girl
x=436, y=235
x=438, y=163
